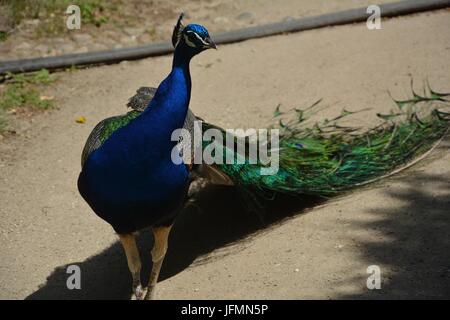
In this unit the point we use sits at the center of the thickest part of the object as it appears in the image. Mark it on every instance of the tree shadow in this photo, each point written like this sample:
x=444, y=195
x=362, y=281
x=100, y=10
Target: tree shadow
x=416, y=242
x=415, y=246
x=222, y=220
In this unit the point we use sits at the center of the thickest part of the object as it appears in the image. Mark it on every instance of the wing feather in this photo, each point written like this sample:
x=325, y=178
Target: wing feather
x=139, y=102
x=93, y=142
x=142, y=98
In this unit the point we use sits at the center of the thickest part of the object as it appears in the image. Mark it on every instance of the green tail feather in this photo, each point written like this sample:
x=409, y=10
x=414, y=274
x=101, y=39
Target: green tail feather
x=328, y=159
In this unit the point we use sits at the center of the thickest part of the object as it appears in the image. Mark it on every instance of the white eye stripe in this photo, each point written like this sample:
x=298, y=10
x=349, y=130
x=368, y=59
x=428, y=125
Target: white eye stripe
x=200, y=38
x=189, y=42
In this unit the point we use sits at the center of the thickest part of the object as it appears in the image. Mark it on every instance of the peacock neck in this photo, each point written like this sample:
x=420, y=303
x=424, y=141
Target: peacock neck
x=181, y=60
x=182, y=56
x=181, y=76
x=172, y=98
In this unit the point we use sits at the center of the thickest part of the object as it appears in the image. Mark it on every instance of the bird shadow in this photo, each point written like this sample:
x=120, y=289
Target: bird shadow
x=219, y=220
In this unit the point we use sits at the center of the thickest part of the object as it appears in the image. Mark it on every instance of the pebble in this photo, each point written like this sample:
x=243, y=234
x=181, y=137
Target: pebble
x=81, y=50
x=246, y=16
x=42, y=48
x=133, y=31
x=58, y=41
x=128, y=40
x=288, y=18
x=97, y=47
x=221, y=20
x=81, y=37
x=67, y=47
x=32, y=23
x=23, y=46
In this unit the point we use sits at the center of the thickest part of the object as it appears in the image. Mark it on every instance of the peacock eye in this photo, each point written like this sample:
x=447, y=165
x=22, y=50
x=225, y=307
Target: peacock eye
x=192, y=37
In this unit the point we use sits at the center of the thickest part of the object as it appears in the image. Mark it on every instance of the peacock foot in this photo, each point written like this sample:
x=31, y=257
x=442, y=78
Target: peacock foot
x=139, y=293
x=150, y=294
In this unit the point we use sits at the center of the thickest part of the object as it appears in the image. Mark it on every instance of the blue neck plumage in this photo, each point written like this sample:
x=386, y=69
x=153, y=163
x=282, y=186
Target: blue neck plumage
x=182, y=56
x=172, y=98
x=181, y=72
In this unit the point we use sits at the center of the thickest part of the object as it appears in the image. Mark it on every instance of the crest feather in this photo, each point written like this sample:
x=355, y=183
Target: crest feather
x=177, y=30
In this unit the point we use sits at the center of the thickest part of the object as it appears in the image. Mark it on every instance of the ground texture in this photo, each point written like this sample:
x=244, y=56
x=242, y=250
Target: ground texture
x=221, y=251
x=138, y=22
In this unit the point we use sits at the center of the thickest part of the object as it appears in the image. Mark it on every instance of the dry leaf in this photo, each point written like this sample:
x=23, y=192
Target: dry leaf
x=80, y=120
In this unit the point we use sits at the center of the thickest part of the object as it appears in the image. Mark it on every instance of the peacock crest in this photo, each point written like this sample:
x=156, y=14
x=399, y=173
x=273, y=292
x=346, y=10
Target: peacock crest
x=177, y=30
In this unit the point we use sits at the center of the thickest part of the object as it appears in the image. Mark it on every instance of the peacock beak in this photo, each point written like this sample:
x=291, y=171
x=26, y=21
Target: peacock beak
x=209, y=44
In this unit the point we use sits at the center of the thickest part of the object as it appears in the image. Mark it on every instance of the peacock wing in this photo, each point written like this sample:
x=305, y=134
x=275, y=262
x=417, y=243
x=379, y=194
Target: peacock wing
x=139, y=102
x=106, y=127
x=142, y=98
x=103, y=130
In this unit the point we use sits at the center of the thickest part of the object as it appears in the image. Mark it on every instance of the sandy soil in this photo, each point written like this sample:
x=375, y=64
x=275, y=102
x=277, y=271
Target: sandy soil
x=317, y=250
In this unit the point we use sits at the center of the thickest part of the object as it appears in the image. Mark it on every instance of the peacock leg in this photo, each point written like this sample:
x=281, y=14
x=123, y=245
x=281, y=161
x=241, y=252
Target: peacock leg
x=161, y=235
x=134, y=264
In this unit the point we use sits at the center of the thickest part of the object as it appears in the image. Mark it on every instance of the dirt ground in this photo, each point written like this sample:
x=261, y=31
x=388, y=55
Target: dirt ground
x=317, y=251
x=138, y=22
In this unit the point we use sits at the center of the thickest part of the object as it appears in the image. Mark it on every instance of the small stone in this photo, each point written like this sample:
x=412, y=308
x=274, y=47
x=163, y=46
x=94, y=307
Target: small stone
x=288, y=18
x=128, y=40
x=42, y=48
x=296, y=270
x=81, y=50
x=6, y=24
x=54, y=52
x=67, y=47
x=58, y=41
x=221, y=20
x=23, y=46
x=245, y=16
x=97, y=47
x=82, y=37
x=144, y=38
x=124, y=64
x=160, y=30
x=5, y=48
x=32, y=23
x=134, y=31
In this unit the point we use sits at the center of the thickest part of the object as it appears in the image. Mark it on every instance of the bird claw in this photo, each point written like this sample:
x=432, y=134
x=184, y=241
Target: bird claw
x=139, y=293
x=150, y=295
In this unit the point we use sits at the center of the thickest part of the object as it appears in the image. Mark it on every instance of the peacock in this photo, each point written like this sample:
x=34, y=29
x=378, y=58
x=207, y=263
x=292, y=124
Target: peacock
x=130, y=179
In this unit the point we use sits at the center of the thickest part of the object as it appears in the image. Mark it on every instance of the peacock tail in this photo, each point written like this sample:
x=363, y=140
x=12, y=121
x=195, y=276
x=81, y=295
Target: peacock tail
x=327, y=159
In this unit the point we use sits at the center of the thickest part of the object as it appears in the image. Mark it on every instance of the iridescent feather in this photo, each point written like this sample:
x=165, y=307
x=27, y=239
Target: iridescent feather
x=327, y=159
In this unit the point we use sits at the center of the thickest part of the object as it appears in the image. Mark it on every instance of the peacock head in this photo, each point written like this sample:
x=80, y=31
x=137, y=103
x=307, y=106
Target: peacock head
x=195, y=37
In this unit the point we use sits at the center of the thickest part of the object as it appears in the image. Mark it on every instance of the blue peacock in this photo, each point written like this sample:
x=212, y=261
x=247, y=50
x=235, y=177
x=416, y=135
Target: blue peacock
x=129, y=179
